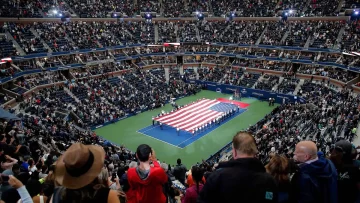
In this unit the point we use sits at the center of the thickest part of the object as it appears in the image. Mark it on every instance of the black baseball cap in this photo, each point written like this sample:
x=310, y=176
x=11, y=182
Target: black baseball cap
x=344, y=146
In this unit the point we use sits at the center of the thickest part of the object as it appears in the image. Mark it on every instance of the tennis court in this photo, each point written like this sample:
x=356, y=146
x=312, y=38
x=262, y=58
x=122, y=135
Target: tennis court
x=169, y=145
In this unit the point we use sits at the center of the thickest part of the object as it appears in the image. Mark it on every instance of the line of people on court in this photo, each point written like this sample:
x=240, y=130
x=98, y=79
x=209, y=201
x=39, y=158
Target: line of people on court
x=199, y=129
x=216, y=121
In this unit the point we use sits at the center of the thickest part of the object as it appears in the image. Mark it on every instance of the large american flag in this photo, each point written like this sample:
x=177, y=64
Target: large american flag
x=196, y=114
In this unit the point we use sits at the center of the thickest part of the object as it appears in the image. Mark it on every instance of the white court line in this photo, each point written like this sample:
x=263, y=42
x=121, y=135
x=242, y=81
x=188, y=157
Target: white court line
x=150, y=128
x=159, y=140
x=209, y=131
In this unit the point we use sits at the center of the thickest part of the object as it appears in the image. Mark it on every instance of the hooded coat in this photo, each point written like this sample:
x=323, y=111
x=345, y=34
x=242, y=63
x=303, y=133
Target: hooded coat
x=316, y=182
x=147, y=188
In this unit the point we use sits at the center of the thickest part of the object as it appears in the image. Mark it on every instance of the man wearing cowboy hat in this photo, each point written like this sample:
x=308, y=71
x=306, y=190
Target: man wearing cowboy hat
x=145, y=180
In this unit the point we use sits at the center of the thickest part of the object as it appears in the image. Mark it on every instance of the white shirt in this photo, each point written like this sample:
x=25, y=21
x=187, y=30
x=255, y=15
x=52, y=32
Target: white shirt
x=312, y=160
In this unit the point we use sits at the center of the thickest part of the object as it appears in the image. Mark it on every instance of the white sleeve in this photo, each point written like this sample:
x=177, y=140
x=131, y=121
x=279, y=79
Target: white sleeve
x=24, y=195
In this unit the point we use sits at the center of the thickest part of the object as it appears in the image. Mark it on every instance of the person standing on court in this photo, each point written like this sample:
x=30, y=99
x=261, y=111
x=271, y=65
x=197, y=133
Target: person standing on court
x=179, y=171
x=316, y=179
x=243, y=179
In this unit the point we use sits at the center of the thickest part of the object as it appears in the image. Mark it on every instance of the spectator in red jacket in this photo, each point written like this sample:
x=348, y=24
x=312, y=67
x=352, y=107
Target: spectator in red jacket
x=147, y=180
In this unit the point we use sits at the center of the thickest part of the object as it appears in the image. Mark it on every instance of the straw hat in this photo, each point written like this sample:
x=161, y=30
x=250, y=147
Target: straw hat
x=79, y=165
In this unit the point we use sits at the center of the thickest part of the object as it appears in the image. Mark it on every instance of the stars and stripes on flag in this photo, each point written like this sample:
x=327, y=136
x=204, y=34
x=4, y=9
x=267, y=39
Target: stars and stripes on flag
x=196, y=115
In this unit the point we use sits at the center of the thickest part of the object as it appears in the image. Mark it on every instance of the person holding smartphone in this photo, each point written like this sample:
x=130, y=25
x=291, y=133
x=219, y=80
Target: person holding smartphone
x=147, y=180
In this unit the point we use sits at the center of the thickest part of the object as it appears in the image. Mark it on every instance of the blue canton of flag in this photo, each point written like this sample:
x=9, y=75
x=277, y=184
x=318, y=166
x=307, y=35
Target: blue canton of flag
x=223, y=107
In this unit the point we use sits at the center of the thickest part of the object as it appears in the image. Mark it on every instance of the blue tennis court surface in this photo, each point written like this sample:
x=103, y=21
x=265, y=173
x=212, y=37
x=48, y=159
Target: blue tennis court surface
x=169, y=135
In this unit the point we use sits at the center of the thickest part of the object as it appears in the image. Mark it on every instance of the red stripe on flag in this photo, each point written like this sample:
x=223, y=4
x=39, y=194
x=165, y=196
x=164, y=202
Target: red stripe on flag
x=187, y=111
x=191, y=106
x=204, y=112
x=199, y=122
x=188, y=114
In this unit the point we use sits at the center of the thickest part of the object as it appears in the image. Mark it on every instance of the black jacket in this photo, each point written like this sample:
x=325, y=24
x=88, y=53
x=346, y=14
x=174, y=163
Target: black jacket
x=241, y=180
x=179, y=172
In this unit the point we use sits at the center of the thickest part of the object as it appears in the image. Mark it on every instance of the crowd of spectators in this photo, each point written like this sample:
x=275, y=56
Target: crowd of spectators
x=167, y=32
x=102, y=99
x=50, y=134
x=54, y=36
x=288, y=86
x=7, y=48
x=212, y=74
x=299, y=33
x=99, y=9
x=291, y=5
x=64, y=36
x=187, y=32
x=340, y=75
x=175, y=8
x=51, y=9
x=350, y=37
x=322, y=8
x=46, y=133
x=21, y=8
x=23, y=35
x=267, y=82
x=326, y=34
x=34, y=80
x=148, y=6
x=274, y=33
x=178, y=8
x=248, y=8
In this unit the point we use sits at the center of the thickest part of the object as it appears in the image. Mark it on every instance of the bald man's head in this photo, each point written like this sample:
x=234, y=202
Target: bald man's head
x=305, y=151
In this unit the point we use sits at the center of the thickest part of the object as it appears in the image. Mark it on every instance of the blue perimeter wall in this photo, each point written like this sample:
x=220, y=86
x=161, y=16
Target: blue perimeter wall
x=249, y=92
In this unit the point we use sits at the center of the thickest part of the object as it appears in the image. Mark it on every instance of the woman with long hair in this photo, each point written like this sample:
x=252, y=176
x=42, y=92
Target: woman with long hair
x=278, y=167
x=192, y=192
x=77, y=172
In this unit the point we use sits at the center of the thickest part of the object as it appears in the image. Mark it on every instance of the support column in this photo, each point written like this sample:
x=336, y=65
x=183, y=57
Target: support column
x=181, y=70
x=167, y=74
x=196, y=73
